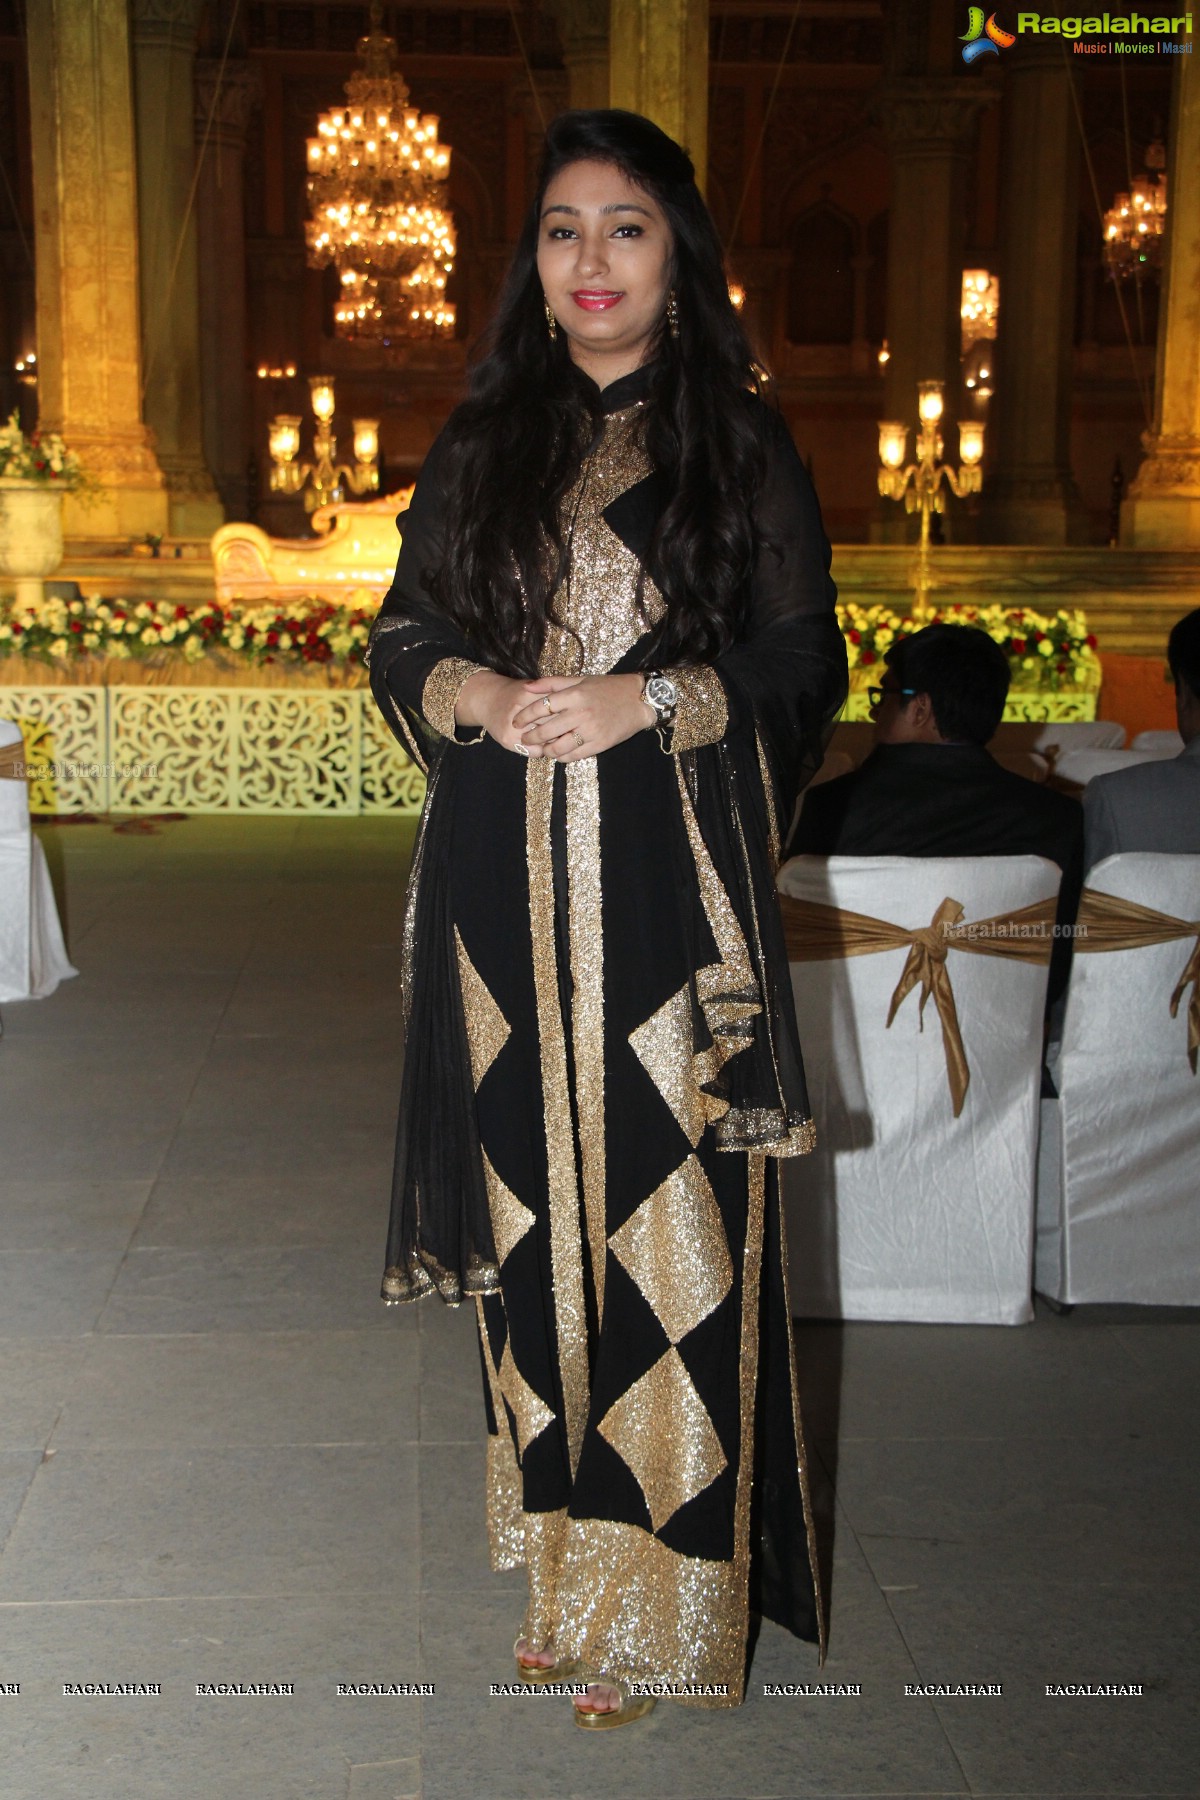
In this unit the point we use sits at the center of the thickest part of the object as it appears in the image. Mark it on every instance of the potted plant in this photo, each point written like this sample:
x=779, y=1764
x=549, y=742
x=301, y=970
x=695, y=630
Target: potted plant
x=35, y=473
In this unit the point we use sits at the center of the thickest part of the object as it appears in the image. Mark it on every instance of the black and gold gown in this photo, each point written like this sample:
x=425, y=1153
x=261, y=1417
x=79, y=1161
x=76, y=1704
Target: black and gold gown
x=600, y=1070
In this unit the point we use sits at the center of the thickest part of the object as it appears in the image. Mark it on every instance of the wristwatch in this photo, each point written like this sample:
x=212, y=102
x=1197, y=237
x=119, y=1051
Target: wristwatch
x=660, y=692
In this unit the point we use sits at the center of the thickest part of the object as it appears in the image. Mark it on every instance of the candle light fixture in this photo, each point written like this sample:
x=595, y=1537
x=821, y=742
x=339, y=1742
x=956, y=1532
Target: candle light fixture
x=1135, y=222
x=376, y=192
x=324, y=480
x=920, y=484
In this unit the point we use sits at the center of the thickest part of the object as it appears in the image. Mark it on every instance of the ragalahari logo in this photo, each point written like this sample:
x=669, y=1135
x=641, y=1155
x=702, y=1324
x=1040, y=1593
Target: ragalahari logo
x=984, y=37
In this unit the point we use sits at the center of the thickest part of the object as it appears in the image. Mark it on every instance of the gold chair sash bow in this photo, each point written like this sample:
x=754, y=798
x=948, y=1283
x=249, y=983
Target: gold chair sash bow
x=12, y=761
x=1109, y=923
x=819, y=933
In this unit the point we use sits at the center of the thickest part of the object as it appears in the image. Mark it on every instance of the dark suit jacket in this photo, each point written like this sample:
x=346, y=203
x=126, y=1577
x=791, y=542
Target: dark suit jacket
x=1155, y=807
x=947, y=800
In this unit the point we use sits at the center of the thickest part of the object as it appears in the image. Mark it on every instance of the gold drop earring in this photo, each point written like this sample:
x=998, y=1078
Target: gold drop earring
x=672, y=314
x=551, y=322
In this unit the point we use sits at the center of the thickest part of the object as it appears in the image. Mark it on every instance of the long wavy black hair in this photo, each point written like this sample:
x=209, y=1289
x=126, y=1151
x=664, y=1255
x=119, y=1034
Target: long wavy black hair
x=515, y=444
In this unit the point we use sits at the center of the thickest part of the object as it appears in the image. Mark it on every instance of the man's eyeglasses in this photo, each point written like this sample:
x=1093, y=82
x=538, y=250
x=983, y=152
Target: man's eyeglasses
x=877, y=695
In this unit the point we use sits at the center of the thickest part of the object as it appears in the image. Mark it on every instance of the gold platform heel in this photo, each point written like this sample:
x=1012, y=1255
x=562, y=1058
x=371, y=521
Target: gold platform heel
x=633, y=1706
x=535, y=1673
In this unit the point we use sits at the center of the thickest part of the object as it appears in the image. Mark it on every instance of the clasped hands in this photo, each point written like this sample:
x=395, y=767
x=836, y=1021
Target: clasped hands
x=567, y=717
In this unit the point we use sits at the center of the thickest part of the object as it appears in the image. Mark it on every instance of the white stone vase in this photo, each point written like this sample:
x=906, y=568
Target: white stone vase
x=31, y=538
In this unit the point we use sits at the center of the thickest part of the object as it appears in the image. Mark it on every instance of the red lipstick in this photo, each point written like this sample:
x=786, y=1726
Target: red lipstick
x=595, y=299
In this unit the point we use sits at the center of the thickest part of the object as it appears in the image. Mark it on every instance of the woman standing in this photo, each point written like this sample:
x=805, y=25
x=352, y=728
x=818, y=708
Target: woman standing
x=611, y=643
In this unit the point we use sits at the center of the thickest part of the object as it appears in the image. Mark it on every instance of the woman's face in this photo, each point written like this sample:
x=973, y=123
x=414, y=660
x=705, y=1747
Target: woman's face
x=604, y=258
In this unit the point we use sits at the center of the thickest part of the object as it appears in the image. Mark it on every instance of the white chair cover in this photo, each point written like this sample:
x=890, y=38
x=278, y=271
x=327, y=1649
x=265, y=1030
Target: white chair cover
x=1118, y=1215
x=33, y=957
x=904, y=1211
x=1078, y=767
x=1162, y=743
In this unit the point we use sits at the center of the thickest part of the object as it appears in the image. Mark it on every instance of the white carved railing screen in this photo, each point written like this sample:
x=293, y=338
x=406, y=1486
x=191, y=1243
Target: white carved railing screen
x=192, y=749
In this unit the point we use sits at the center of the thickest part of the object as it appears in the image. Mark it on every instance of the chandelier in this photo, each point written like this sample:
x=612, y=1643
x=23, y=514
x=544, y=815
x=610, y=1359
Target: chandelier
x=1133, y=224
x=980, y=306
x=376, y=187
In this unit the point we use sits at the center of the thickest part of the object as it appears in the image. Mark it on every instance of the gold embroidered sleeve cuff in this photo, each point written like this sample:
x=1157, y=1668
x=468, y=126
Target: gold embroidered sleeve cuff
x=703, y=713
x=439, y=696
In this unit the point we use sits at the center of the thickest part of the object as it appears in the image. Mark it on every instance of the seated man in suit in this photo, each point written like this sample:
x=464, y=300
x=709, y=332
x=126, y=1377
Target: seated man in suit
x=929, y=787
x=1155, y=806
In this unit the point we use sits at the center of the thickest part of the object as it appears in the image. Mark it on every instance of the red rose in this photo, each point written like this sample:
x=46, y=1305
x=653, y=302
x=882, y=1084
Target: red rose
x=855, y=637
x=1090, y=641
x=76, y=625
x=181, y=612
x=272, y=637
x=867, y=658
x=1061, y=668
x=1037, y=637
x=1018, y=646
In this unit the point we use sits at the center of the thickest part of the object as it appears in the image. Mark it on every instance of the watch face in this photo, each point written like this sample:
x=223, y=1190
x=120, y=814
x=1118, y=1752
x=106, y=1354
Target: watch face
x=661, y=692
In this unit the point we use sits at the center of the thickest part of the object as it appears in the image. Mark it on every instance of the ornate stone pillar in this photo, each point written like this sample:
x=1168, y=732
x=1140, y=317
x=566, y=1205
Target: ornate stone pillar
x=224, y=101
x=659, y=66
x=928, y=121
x=1029, y=494
x=164, y=49
x=85, y=204
x=1162, y=511
x=583, y=28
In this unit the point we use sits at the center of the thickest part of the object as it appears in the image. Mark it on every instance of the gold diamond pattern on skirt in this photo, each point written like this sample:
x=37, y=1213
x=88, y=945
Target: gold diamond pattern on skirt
x=674, y=1247
x=511, y=1219
x=664, y=1045
x=661, y=1428
x=531, y=1413
x=487, y=1028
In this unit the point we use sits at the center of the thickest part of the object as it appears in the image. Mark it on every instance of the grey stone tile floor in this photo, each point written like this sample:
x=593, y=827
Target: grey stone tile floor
x=223, y=1461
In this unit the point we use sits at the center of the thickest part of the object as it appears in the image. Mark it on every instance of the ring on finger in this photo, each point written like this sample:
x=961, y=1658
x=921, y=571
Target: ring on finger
x=578, y=736
x=546, y=703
